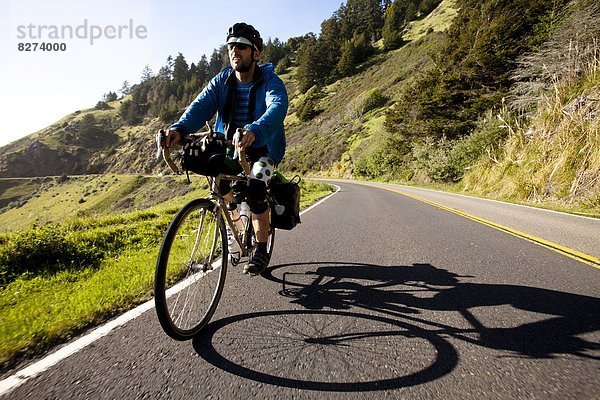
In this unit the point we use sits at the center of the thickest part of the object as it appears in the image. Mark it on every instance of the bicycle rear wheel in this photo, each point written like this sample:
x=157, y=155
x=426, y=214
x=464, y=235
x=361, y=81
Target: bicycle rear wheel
x=190, y=270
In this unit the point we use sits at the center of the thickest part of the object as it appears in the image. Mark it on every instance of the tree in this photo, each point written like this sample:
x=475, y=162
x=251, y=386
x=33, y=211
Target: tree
x=202, y=70
x=147, y=73
x=273, y=52
x=167, y=70
x=180, y=69
x=110, y=96
x=216, y=64
x=361, y=16
x=312, y=66
x=125, y=89
x=330, y=44
x=354, y=52
x=394, y=25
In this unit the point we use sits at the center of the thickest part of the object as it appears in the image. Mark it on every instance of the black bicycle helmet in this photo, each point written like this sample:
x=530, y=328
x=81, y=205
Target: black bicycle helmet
x=243, y=30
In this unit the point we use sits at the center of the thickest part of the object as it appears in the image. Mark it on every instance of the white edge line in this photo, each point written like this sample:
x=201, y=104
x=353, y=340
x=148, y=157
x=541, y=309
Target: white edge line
x=21, y=376
x=337, y=189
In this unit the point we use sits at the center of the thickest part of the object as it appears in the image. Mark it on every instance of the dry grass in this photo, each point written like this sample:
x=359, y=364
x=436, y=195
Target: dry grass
x=553, y=156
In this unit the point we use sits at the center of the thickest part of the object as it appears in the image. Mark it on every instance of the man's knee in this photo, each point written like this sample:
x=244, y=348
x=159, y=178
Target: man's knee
x=257, y=196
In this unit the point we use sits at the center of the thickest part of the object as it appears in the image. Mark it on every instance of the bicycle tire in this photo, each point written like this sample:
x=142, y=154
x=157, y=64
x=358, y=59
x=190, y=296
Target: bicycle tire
x=192, y=262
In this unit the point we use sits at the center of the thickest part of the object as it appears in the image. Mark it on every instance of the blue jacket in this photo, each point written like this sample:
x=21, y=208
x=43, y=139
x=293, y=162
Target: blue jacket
x=268, y=100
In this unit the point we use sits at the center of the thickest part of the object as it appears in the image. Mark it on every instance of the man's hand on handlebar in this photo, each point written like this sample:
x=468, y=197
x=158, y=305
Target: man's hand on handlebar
x=172, y=138
x=246, y=139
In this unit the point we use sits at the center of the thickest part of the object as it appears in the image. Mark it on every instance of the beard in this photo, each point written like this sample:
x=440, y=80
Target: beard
x=243, y=67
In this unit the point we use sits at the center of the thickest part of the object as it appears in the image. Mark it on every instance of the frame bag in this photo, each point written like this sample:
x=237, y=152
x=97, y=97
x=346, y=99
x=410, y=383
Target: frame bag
x=285, y=213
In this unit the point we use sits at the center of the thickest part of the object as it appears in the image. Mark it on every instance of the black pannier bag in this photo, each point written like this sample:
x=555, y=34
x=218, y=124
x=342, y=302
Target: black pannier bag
x=205, y=156
x=285, y=212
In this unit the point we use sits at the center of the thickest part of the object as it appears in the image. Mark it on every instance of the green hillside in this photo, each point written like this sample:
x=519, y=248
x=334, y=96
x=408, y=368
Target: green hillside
x=45, y=200
x=425, y=92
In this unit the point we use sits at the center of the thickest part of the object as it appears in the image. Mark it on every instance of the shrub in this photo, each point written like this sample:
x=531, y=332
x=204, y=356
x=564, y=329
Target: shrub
x=430, y=158
x=383, y=156
x=373, y=99
x=46, y=249
x=307, y=109
x=487, y=138
x=283, y=65
x=102, y=105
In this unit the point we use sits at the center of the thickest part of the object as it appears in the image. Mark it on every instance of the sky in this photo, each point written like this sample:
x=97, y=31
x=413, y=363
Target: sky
x=108, y=42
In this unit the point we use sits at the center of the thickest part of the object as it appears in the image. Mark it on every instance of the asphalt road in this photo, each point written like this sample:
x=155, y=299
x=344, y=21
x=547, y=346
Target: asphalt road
x=375, y=295
x=576, y=232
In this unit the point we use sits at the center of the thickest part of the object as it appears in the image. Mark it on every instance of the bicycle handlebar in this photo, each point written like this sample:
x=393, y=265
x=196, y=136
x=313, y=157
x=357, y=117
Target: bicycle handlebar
x=161, y=149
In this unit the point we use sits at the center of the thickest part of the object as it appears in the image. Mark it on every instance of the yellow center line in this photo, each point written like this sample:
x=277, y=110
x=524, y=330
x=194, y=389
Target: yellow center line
x=566, y=251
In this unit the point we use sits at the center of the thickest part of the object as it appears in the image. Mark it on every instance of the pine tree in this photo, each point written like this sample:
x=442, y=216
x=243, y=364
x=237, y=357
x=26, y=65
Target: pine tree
x=393, y=25
x=147, y=73
x=202, y=70
x=125, y=89
x=110, y=96
x=216, y=64
x=166, y=71
x=180, y=70
x=273, y=51
x=312, y=68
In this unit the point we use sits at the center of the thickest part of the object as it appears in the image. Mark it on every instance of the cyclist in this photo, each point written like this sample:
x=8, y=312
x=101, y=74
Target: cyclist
x=251, y=98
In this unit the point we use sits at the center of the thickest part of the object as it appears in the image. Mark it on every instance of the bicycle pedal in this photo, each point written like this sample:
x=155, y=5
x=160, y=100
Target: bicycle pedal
x=237, y=260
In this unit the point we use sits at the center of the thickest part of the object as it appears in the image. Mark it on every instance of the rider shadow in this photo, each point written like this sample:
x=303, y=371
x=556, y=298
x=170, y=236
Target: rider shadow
x=406, y=292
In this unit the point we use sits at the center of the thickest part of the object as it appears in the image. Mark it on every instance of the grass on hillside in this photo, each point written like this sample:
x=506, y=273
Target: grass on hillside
x=56, y=200
x=38, y=310
x=438, y=20
x=15, y=192
x=554, y=157
x=322, y=144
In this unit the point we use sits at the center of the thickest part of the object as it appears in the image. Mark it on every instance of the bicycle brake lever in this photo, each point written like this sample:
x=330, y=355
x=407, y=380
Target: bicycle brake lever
x=160, y=139
x=240, y=154
x=166, y=152
x=236, y=141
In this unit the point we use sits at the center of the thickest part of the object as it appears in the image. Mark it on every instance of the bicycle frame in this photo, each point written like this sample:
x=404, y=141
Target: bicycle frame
x=215, y=195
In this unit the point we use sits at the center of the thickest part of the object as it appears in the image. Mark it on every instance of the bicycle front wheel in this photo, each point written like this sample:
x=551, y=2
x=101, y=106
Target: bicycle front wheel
x=190, y=270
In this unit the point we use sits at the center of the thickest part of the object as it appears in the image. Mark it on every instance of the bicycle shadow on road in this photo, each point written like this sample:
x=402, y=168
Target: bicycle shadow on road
x=408, y=291
x=364, y=327
x=324, y=350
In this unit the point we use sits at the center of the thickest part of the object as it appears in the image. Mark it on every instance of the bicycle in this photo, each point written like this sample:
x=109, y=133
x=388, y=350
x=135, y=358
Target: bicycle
x=192, y=262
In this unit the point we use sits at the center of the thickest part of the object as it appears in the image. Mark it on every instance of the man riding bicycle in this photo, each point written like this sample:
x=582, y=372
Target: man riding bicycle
x=250, y=98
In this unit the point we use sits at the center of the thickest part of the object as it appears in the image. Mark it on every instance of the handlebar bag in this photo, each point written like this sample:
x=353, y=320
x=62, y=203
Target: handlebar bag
x=205, y=156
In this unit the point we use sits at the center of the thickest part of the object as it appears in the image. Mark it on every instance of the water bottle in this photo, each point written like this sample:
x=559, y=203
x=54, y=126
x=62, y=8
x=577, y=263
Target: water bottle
x=233, y=247
x=244, y=213
x=236, y=217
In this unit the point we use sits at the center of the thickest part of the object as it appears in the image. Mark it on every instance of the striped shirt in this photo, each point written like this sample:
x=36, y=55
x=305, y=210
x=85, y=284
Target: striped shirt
x=241, y=113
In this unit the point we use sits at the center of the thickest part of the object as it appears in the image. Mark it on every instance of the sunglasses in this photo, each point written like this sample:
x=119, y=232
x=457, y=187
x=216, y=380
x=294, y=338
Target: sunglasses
x=240, y=46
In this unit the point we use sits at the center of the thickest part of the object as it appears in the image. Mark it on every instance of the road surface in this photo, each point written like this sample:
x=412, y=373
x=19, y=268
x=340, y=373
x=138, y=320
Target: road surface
x=375, y=295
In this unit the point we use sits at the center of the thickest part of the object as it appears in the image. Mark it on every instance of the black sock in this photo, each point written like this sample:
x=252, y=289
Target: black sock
x=261, y=247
